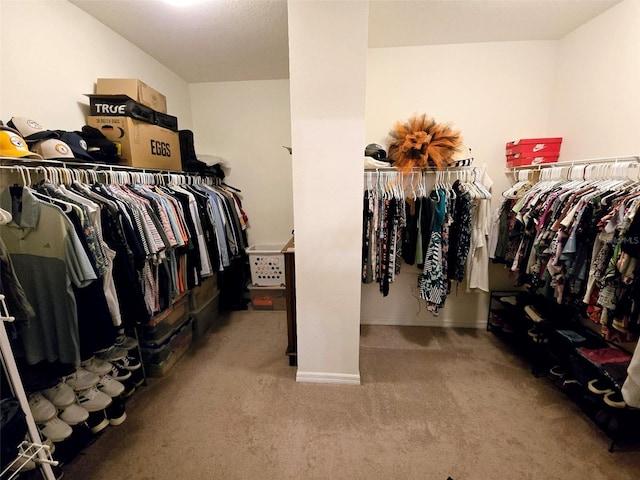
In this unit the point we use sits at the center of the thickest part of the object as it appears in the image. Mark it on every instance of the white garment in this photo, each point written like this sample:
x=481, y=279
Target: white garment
x=631, y=386
x=478, y=259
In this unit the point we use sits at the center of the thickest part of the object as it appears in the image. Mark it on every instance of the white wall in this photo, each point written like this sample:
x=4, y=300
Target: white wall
x=52, y=54
x=328, y=54
x=246, y=124
x=595, y=100
x=493, y=92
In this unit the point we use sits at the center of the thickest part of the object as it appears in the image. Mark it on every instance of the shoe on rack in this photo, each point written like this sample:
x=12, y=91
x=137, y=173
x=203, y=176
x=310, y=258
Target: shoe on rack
x=116, y=412
x=55, y=429
x=73, y=414
x=598, y=387
x=507, y=328
x=495, y=320
x=97, y=365
x=511, y=300
x=111, y=387
x=41, y=408
x=119, y=373
x=137, y=378
x=128, y=343
x=128, y=363
x=615, y=400
x=97, y=421
x=533, y=314
x=538, y=335
x=93, y=399
x=62, y=395
x=112, y=353
x=128, y=390
x=81, y=379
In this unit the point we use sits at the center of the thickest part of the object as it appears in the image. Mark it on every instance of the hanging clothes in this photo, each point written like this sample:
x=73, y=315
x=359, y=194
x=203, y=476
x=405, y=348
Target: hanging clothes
x=402, y=224
x=431, y=283
x=49, y=259
x=577, y=243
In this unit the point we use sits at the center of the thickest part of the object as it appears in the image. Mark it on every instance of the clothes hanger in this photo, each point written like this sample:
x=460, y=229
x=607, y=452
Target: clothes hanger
x=5, y=216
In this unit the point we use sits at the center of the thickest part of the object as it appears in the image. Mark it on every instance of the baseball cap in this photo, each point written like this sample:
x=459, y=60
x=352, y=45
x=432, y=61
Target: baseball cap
x=53, y=149
x=30, y=130
x=13, y=145
x=77, y=144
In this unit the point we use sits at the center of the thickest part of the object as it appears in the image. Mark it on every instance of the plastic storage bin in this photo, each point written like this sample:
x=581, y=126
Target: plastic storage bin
x=267, y=265
x=159, y=360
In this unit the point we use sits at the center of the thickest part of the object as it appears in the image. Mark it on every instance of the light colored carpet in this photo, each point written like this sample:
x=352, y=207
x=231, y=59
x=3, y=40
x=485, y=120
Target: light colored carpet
x=433, y=403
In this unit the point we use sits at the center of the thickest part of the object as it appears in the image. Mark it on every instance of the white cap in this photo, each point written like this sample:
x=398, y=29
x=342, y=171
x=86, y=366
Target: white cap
x=53, y=149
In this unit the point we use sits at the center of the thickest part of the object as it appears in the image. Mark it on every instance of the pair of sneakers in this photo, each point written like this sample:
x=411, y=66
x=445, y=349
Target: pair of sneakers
x=45, y=415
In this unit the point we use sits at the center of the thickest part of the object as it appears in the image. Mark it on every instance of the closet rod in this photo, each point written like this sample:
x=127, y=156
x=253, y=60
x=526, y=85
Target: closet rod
x=570, y=163
x=12, y=162
x=467, y=168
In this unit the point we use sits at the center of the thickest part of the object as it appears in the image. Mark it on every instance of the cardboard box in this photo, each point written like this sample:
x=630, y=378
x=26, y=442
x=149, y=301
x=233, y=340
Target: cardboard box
x=125, y=106
x=134, y=88
x=120, y=106
x=534, y=147
x=142, y=145
x=533, y=151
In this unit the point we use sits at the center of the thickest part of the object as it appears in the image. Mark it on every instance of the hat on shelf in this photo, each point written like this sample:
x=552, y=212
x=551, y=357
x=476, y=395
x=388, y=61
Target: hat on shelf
x=30, y=130
x=77, y=144
x=13, y=145
x=53, y=149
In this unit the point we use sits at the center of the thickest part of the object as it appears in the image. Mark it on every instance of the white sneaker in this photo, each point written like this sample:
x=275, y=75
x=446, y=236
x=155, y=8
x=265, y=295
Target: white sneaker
x=61, y=395
x=128, y=343
x=73, y=414
x=41, y=408
x=128, y=363
x=93, y=400
x=81, y=379
x=97, y=365
x=111, y=387
x=55, y=429
x=119, y=373
x=97, y=421
x=112, y=353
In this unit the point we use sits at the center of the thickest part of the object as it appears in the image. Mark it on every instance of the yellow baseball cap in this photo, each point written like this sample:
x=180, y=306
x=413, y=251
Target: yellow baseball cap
x=13, y=145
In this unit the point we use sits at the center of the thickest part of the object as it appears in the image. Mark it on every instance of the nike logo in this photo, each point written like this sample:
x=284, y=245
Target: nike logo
x=538, y=147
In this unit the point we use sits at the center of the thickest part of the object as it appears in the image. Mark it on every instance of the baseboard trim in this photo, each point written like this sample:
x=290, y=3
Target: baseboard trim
x=319, y=377
x=435, y=322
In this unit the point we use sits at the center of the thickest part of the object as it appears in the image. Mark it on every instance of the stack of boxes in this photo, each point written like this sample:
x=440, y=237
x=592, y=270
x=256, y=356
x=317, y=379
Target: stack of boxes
x=134, y=116
x=533, y=151
x=204, y=304
x=166, y=338
x=267, y=290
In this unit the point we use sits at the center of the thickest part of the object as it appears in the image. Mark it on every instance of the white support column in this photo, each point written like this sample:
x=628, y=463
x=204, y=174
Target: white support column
x=327, y=61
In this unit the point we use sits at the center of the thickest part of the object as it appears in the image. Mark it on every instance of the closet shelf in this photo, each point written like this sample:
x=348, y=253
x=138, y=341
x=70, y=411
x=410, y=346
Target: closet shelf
x=461, y=167
x=569, y=163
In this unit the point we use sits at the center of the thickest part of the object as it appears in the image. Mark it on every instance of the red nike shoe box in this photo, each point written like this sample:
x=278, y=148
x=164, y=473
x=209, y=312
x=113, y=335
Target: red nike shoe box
x=534, y=147
x=533, y=151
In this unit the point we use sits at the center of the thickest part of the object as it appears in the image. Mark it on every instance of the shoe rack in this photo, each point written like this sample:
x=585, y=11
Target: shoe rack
x=553, y=338
x=33, y=449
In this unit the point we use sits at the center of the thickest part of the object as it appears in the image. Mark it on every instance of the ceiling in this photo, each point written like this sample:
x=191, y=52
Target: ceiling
x=227, y=40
